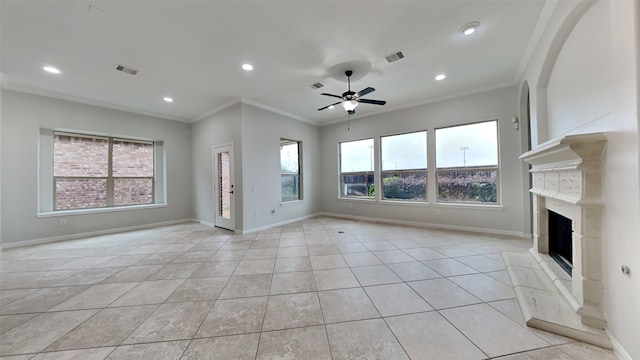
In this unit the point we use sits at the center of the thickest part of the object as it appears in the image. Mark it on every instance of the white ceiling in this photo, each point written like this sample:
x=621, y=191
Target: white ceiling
x=193, y=52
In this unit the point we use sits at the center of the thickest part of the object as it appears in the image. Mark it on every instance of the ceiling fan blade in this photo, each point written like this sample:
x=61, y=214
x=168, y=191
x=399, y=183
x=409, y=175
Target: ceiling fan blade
x=339, y=102
x=374, y=102
x=365, y=91
x=335, y=96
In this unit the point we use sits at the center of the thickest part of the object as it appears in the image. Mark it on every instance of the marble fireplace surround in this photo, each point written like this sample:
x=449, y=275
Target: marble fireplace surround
x=567, y=179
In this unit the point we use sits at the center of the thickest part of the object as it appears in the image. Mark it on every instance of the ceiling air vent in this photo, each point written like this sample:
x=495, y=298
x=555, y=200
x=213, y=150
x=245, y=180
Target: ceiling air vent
x=125, y=69
x=316, y=85
x=394, y=57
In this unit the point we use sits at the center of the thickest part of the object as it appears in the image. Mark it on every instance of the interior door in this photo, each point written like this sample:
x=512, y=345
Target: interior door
x=224, y=188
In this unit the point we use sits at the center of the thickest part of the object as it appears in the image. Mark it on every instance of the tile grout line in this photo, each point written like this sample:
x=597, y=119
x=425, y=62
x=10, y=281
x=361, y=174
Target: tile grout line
x=183, y=240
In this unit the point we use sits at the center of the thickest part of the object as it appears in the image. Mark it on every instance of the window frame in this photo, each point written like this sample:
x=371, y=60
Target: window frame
x=283, y=201
x=110, y=179
x=57, y=178
x=497, y=168
x=426, y=170
x=114, y=178
x=373, y=171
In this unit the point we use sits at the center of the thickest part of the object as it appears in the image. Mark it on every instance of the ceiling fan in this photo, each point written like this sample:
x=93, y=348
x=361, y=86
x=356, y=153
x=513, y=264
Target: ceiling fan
x=351, y=99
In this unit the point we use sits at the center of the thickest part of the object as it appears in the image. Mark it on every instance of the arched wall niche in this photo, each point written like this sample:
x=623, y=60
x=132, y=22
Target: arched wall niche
x=566, y=16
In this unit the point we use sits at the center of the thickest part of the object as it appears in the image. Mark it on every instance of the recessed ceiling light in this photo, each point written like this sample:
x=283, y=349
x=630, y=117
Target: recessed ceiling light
x=470, y=28
x=51, y=69
x=247, y=67
x=168, y=99
x=441, y=77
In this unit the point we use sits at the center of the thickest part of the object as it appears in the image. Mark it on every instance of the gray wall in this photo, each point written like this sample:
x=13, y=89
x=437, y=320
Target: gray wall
x=22, y=117
x=261, y=134
x=1, y=92
x=256, y=135
x=220, y=128
x=501, y=104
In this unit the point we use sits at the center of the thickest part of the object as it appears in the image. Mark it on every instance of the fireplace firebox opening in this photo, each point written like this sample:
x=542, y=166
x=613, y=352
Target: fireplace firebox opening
x=560, y=240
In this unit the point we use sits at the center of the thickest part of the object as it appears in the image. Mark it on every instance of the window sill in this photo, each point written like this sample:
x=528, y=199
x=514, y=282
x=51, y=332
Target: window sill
x=292, y=203
x=356, y=199
x=470, y=206
x=404, y=203
x=496, y=207
x=98, y=210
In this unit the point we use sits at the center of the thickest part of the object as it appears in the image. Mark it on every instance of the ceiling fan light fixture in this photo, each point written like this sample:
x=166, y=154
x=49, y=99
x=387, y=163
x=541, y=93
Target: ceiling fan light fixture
x=470, y=28
x=350, y=105
x=51, y=69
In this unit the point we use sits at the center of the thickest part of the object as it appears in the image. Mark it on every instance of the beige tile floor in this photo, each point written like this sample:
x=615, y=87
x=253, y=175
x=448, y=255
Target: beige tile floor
x=323, y=288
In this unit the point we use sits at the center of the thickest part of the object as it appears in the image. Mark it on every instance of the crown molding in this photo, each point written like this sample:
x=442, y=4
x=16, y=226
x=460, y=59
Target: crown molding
x=85, y=101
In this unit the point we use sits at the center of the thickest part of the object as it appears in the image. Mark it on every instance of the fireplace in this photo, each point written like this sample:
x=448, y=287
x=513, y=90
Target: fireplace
x=560, y=289
x=560, y=240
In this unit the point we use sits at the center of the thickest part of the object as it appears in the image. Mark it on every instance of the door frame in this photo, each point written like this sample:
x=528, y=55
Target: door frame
x=219, y=221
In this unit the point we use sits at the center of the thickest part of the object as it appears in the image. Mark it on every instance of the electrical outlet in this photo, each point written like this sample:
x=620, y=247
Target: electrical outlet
x=350, y=206
x=273, y=211
x=437, y=211
x=63, y=222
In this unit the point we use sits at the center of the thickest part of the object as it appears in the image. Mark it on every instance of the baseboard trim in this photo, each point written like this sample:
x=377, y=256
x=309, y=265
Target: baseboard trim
x=207, y=223
x=620, y=352
x=266, y=227
x=429, y=225
x=211, y=225
x=92, y=233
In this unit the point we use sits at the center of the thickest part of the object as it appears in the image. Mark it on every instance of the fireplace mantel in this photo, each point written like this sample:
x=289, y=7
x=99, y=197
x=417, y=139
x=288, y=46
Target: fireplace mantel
x=566, y=179
x=569, y=169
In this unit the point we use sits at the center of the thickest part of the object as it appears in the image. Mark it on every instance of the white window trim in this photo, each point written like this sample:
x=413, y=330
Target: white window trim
x=474, y=206
x=45, y=194
x=375, y=170
x=300, y=176
x=426, y=170
x=418, y=203
x=292, y=203
x=352, y=199
x=432, y=196
x=470, y=205
x=59, y=213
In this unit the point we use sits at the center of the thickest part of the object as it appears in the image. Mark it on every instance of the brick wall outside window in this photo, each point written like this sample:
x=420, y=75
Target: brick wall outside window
x=81, y=172
x=80, y=156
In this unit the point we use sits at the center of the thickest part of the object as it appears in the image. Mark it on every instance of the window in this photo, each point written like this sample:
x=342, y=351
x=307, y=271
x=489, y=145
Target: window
x=132, y=172
x=290, y=169
x=404, y=166
x=467, y=163
x=95, y=172
x=356, y=169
